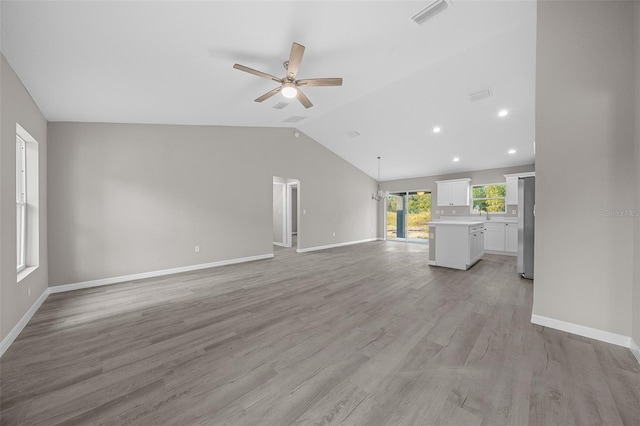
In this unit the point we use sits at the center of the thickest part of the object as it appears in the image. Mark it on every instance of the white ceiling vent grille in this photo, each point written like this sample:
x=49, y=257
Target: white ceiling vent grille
x=281, y=105
x=294, y=119
x=430, y=11
x=478, y=96
x=353, y=134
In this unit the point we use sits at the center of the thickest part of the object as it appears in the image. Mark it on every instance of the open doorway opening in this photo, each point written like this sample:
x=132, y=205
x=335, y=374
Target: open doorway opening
x=291, y=233
x=286, y=217
x=408, y=214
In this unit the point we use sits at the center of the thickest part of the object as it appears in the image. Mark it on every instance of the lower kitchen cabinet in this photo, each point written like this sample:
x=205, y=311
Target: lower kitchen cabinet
x=494, y=235
x=457, y=245
x=501, y=238
x=511, y=237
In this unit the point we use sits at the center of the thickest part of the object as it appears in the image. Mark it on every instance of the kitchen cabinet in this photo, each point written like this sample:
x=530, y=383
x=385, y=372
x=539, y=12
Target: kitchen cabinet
x=512, y=190
x=511, y=237
x=494, y=236
x=476, y=243
x=511, y=197
x=501, y=237
x=453, y=192
x=459, y=244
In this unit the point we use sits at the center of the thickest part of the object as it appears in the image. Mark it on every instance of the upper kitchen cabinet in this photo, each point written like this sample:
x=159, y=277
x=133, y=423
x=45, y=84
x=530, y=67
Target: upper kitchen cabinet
x=512, y=187
x=453, y=192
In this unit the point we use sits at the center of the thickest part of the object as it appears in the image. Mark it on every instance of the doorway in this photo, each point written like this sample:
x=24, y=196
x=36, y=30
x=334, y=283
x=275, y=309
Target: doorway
x=408, y=215
x=286, y=219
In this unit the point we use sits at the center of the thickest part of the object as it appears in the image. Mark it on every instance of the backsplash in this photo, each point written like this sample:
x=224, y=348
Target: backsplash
x=437, y=212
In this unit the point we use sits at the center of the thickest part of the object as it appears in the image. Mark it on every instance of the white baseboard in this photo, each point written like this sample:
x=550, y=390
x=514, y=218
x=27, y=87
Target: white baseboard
x=348, y=243
x=501, y=253
x=635, y=349
x=581, y=330
x=278, y=244
x=15, y=331
x=152, y=274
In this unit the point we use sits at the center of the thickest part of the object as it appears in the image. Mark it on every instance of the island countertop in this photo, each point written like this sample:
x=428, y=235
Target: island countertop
x=456, y=222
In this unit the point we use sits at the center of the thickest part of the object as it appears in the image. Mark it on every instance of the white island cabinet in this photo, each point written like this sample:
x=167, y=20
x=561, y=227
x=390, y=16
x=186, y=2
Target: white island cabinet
x=457, y=245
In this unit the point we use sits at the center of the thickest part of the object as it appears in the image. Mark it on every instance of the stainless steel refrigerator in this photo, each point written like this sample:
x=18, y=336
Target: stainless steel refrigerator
x=526, y=225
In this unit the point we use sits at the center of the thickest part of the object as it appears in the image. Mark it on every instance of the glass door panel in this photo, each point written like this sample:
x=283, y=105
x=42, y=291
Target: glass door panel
x=395, y=216
x=407, y=216
x=418, y=215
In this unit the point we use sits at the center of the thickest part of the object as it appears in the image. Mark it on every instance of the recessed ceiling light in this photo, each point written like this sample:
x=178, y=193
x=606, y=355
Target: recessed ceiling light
x=456, y=159
x=512, y=151
x=436, y=129
x=503, y=113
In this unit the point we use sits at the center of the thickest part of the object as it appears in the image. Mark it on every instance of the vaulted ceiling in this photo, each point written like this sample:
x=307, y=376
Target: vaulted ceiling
x=171, y=62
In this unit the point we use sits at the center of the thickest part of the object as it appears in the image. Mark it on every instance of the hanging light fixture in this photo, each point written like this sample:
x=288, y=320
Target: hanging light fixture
x=380, y=194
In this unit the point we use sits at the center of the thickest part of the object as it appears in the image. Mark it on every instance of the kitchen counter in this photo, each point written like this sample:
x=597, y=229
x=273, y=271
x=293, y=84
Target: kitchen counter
x=456, y=244
x=495, y=219
x=456, y=222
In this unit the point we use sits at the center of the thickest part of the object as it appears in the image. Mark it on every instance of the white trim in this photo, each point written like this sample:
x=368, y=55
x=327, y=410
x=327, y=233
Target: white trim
x=635, y=349
x=278, y=244
x=25, y=272
x=15, y=331
x=581, y=330
x=151, y=274
x=523, y=174
x=348, y=243
x=501, y=253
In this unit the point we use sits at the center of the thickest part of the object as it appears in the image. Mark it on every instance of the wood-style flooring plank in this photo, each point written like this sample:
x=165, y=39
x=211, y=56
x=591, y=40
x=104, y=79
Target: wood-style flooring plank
x=361, y=335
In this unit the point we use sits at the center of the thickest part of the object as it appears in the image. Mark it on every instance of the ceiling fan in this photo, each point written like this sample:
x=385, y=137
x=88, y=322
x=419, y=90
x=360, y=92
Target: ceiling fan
x=289, y=86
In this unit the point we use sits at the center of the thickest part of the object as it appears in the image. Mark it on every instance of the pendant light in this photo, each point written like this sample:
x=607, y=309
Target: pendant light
x=380, y=194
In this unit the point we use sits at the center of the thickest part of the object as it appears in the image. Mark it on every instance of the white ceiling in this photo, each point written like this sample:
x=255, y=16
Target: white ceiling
x=171, y=62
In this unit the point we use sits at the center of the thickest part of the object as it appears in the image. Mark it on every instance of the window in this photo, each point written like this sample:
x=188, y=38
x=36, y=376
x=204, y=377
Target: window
x=27, y=203
x=21, y=201
x=489, y=198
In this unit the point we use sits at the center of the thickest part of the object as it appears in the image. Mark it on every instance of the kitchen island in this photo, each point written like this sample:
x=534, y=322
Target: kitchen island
x=456, y=244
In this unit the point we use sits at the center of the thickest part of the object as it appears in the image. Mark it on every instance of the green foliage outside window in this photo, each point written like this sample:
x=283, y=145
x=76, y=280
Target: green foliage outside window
x=489, y=198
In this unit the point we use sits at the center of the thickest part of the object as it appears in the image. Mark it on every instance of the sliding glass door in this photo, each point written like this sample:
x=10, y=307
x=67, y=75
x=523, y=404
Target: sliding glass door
x=407, y=216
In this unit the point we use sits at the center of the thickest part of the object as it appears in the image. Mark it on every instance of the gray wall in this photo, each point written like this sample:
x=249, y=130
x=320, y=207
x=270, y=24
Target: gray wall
x=636, y=281
x=128, y=199
x=16, y=106
x=478, y=177
x=584, y=163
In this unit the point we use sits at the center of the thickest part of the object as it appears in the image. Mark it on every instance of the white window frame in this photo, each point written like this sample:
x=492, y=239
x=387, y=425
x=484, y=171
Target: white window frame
x=486, y=199
x=21, y=201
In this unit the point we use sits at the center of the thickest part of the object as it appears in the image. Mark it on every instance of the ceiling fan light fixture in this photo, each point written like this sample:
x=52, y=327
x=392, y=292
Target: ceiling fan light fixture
x=289, y=90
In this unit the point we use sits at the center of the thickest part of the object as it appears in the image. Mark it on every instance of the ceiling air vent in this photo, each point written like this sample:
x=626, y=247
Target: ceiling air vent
x=477, y=96
x=280, y=105
x=430, y=11
x=353, y=134
x=294, y=119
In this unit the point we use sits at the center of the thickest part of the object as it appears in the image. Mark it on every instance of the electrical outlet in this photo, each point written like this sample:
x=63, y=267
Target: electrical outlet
x=334, y=234
x=454, y=212
x=28, y=291
x=197, y=249
x=514, y=211
x=304, y=211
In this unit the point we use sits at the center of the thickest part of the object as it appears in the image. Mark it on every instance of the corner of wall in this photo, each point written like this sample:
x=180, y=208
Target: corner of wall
x=635, y=326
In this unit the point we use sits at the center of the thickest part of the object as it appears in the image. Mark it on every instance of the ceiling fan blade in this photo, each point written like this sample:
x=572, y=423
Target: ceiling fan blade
x=303, y=99
x=320, y=82
x=268, y=94
x=295, y=58
x=256, y=72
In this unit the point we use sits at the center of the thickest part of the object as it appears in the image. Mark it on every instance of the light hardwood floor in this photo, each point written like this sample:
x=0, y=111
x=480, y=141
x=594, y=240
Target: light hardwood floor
x=366, y=334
